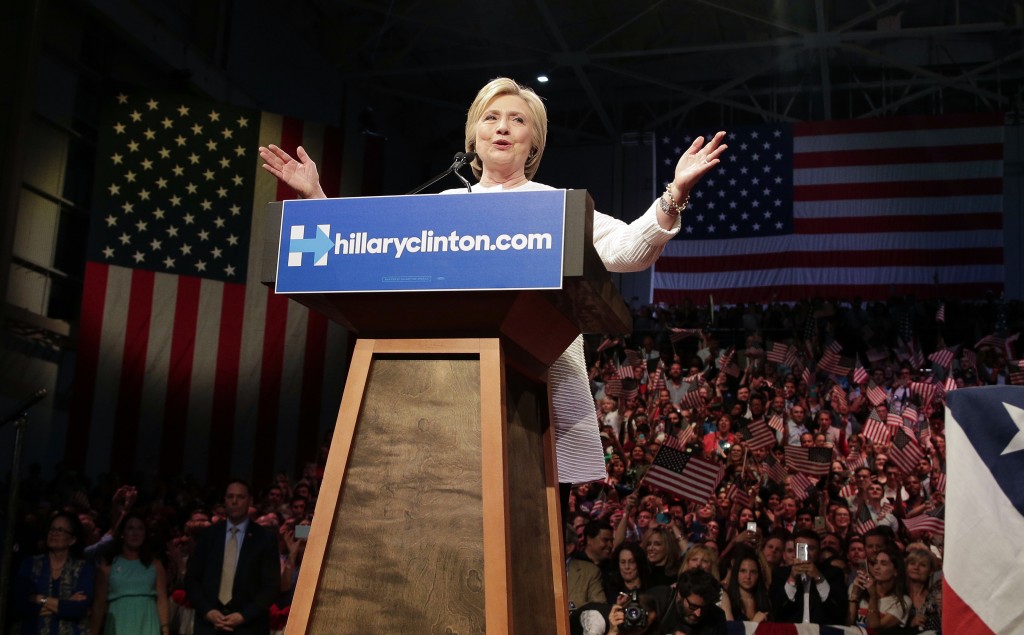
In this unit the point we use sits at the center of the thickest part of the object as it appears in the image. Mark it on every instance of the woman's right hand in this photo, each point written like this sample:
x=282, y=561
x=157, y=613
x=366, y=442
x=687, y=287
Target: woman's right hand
x=300, y=175
x=616, y=617
x=863, y=582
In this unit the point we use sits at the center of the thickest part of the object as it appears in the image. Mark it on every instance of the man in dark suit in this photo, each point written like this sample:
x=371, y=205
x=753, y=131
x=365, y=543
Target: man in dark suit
x=234, y=574
x=808, y=591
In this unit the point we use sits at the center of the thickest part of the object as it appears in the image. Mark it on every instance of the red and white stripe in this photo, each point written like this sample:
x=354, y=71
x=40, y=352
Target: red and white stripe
x=924, y=522
x=881, y=207
x=210, y=379
x=877, y=395
x=878, y=432
x=944, y=357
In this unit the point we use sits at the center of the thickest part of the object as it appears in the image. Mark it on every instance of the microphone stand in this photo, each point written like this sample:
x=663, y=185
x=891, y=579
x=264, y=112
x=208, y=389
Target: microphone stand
x=461, y=159
x=18, y=417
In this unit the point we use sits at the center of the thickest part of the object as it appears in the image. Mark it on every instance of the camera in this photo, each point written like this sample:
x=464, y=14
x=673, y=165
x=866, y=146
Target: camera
x=636, y=615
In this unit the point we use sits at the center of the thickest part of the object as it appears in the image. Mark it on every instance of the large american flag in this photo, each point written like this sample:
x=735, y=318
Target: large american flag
x=187, y=364
x=865, y=207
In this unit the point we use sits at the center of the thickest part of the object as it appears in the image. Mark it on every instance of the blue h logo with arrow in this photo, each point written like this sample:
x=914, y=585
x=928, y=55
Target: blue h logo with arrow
x=320, y=245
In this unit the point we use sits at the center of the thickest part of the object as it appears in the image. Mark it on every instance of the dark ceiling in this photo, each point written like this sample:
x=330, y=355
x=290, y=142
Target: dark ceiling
x=615, y=67
x=621, y=66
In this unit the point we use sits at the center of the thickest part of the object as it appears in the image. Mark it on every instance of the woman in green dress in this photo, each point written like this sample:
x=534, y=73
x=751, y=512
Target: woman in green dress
x=131, y=586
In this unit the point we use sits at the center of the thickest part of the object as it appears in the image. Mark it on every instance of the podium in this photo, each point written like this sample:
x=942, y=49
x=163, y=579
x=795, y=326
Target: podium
x=439, y=510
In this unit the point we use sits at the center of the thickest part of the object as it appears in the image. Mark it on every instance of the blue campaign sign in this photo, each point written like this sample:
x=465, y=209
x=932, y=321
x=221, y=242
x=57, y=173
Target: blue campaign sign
x=439, y=242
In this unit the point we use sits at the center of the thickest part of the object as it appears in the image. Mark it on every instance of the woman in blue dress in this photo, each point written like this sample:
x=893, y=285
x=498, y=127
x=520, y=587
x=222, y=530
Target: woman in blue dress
x=131, y=586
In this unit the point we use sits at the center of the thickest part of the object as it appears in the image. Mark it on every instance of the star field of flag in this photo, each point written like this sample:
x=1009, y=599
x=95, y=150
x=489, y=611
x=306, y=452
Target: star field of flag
x=749, y=194
x=993, y=419
x=174, y=182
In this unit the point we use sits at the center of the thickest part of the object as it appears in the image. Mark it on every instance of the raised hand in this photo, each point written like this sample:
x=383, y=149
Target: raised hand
x=698, y=160
x=300, y=175
x=130, y=496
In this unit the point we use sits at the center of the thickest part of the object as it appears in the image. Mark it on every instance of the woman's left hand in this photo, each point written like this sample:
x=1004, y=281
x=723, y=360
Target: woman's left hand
x=698, y=160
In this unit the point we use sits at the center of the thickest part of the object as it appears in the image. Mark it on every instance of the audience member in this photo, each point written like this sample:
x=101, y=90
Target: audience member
x=809, y=590
x=693, y=609
x=746, y=598
x=877, y=596
x=54, y=590
x=131, y=585
x=661, y=547
x=234, y=574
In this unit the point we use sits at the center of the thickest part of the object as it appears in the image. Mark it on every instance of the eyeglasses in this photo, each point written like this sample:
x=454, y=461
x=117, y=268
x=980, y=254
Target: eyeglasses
x=60, y=530
x=693, y=608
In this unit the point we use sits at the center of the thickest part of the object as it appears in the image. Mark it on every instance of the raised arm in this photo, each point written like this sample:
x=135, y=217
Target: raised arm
x=623, y=526
x=635, y=246
x=299, y=174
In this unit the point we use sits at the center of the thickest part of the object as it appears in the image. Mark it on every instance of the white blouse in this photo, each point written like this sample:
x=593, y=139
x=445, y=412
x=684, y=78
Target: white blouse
x=622, y=247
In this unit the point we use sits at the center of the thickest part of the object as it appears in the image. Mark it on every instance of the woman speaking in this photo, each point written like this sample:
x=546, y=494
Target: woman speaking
x=506, y=127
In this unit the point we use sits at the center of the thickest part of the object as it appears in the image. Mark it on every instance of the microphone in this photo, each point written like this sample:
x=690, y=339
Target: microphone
x=460, y=159
x=23, y=407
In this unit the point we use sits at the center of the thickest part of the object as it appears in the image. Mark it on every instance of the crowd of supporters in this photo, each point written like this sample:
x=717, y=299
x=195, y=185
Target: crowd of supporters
x=852, y=392
x=82, y=531
x=732, y=439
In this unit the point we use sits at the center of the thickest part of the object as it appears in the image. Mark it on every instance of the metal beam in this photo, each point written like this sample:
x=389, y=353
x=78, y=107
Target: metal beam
x=636, y=16
x=826, y=81
x=756, y=18
x=698, y=97
x=943, y=80
x=867, y=15
x=577, y=61
x=934, y=88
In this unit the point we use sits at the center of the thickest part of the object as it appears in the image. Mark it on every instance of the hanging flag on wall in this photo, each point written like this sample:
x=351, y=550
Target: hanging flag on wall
x=187, y=364
x=866, y=208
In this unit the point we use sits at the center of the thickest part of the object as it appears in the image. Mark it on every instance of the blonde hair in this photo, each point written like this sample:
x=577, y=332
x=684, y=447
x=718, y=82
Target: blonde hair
x=918, y=552
x=538, y=120
x=672, y=551
x=698, y=550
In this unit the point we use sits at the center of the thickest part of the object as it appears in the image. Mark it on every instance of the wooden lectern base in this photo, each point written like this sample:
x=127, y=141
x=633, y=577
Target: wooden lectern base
x=439, y=507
